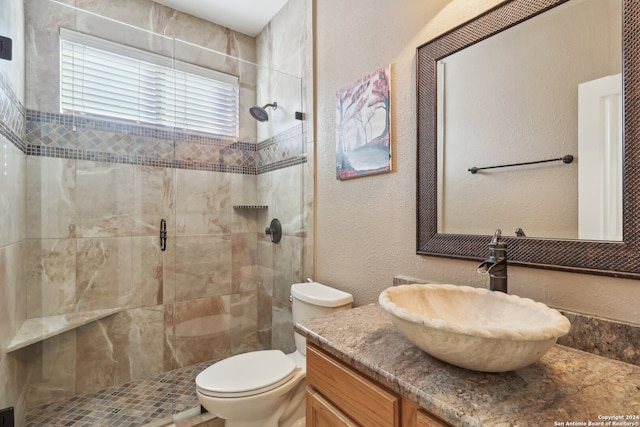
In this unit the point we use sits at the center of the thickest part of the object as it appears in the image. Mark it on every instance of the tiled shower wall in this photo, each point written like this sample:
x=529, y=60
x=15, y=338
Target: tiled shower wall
x=93, y=244
x=286, y=44
x=80, y=231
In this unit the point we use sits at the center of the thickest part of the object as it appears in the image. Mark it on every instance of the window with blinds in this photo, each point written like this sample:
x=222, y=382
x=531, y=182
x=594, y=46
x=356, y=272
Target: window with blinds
x=108, y=79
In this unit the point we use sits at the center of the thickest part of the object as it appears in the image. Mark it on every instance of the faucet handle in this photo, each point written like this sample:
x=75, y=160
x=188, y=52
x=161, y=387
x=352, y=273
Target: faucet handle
x=496, y=237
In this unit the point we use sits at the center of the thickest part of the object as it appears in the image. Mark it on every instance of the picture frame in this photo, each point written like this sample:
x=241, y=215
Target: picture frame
x=363, y=126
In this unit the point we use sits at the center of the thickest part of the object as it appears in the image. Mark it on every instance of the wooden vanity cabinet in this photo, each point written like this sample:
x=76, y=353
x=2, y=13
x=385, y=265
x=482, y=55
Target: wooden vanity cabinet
x=339, y=396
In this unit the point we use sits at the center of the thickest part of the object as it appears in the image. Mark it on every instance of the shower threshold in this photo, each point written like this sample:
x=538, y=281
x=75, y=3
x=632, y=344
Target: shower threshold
x=168, y=399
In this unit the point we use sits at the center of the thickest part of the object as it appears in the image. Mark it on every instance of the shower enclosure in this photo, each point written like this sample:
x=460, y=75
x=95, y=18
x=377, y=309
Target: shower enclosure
x=108, y=300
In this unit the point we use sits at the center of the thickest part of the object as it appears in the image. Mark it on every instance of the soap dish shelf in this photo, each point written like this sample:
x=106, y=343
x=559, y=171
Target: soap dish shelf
x=250, y=207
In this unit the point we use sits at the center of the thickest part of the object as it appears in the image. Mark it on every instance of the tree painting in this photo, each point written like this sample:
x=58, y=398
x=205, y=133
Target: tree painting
x=363, y=137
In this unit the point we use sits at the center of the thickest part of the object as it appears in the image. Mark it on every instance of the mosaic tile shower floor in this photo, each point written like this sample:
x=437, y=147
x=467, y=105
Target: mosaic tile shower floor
x=132, y=404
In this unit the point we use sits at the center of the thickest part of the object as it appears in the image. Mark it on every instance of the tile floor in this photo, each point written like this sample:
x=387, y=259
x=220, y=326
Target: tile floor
x=140, y=402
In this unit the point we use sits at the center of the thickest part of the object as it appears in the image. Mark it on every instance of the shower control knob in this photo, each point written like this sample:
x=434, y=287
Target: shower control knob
x=274, y=230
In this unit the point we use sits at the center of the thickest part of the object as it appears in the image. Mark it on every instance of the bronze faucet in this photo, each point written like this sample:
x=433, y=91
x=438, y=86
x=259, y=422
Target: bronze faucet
x=496, y=264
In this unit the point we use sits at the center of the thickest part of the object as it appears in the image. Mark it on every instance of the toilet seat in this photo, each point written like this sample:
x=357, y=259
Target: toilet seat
x=246, y=374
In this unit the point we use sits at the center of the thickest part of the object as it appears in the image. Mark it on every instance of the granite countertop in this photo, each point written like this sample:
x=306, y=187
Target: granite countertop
x=565, y=387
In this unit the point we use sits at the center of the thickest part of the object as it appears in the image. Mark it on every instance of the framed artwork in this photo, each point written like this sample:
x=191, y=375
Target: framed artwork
x=363, y=126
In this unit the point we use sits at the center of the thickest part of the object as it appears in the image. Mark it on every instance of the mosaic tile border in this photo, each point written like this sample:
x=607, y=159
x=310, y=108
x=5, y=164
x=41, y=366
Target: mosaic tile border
x=283, y=150
x=603, y=337
x=85, y=138
x=106, y=125
x=302, y=159
x=12, y=115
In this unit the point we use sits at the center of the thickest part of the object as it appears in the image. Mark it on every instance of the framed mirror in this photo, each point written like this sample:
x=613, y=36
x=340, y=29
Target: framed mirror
x=613, y=258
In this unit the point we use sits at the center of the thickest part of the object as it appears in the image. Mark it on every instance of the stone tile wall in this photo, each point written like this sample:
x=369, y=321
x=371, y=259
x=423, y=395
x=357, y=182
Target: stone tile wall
x=286, y=44
x=93, y=244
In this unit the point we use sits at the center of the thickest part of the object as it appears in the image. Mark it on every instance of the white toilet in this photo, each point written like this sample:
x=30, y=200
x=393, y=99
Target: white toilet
x=267, y=388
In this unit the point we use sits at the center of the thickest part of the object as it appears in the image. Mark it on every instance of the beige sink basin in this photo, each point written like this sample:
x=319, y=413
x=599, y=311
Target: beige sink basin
x=474, y=328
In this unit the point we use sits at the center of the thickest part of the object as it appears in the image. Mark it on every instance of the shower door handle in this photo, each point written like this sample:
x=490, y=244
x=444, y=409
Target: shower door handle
x=163, y=234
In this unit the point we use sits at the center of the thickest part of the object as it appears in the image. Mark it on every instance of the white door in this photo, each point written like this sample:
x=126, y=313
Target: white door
x=600, y=149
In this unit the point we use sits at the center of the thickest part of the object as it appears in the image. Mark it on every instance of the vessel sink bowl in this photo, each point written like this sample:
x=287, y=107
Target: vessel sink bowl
x=474, y=328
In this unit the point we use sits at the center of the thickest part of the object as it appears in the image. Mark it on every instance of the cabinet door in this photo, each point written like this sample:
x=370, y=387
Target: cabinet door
x=415, y=416
x=427, y=420
x=321, y=413
x=358, y=397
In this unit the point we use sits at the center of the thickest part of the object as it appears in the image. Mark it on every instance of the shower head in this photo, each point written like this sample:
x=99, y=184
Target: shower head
x=260, y=113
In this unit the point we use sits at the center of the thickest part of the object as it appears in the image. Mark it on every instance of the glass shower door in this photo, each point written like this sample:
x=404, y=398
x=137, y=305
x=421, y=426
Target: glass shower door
x=99, y=185
x=141, y=319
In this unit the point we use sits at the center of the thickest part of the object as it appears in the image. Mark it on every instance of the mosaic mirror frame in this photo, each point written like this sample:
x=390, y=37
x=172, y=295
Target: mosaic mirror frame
x=617, y=259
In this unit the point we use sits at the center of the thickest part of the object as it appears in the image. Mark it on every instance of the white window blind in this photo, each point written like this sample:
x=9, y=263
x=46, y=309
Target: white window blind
x=109, y=79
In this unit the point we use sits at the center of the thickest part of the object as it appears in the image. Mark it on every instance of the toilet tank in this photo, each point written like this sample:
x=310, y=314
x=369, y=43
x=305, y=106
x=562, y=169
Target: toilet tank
x=314, y=300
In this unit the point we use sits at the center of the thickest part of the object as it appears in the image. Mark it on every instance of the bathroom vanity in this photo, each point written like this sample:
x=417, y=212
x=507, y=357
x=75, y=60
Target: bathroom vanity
x=362, y=371
x=338, y=394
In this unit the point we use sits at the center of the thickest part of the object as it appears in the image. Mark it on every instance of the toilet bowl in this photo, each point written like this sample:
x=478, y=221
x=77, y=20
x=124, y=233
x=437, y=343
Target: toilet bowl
x=266, y=388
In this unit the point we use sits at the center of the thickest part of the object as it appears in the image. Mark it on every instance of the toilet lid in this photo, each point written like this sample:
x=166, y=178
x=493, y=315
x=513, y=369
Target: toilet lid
x=246, y=374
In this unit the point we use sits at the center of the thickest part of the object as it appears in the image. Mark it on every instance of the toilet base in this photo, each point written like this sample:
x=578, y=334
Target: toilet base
x=282, y=407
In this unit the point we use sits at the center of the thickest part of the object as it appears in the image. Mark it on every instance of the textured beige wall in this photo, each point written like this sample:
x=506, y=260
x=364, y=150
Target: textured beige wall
x=366, y=226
